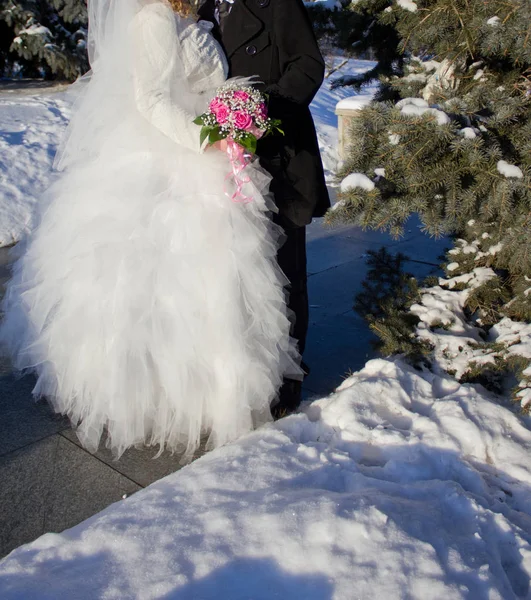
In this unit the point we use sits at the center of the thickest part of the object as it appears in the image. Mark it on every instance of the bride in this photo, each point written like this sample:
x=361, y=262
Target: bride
x=148, y=303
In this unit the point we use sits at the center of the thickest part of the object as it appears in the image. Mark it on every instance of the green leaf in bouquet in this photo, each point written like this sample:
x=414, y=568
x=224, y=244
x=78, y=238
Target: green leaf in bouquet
x=215, y=135
x=252, y=144
x=199, y=120
x=205, y=132
x=277, y=126
x=249, y=142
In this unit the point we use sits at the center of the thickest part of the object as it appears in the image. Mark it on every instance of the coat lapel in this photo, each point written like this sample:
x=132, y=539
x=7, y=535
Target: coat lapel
x=240, y=26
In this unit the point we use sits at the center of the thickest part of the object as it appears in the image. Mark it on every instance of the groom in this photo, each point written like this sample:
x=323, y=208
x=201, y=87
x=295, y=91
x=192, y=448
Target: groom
x=274, y=40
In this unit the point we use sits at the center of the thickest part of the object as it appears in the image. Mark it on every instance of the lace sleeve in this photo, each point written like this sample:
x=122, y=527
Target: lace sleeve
x=156, y=70
x=204, y=60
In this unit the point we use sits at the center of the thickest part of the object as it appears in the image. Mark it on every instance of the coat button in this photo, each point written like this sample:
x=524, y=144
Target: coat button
x=251, y=50
x=263, y=3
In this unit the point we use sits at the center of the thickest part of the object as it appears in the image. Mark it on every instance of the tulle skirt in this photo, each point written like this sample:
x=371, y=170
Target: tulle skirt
x=149, y=304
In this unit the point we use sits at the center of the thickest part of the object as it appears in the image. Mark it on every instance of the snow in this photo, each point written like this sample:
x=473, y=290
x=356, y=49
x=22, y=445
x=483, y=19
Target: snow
x=516, y=335
x=407, y=5
x=30, y=130
x=36, y=30
x=416, y=77
x=354, y=102
x=357, y=180
x=508, y=170
x=416, y=107
x=328, y=4
x=495, y=249
x=446, y=328
x=402, y=484
x=493, y=21
x=464, y=247
x=419, y=102
x=468, y=133
x=456, y=343
x=33, y=30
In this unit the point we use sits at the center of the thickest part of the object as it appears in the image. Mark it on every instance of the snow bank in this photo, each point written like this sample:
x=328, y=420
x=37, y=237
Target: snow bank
x=30, y=130
x=400, y=485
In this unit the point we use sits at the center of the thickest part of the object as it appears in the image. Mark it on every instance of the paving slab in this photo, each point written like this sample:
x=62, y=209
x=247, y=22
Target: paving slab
x=52, y=485
x=141, y=465
x=339, y=341
x=331, y=292
x=331, y=246
x=336, y=347
x=22, y=420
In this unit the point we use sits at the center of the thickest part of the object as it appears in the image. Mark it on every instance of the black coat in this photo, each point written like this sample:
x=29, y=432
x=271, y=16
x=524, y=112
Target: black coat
x=274, y=40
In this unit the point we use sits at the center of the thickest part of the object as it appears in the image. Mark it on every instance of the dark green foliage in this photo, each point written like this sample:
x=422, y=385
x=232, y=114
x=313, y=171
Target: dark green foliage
x=500, y=377
x=488, y=300
x=362, y=33
x=460, y=150
x=43, y=38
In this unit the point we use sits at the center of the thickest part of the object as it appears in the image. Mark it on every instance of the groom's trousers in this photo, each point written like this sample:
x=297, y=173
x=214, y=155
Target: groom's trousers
x=292, y=260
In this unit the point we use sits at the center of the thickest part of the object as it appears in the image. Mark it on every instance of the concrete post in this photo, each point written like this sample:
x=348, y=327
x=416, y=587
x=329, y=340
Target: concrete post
x=347, y=110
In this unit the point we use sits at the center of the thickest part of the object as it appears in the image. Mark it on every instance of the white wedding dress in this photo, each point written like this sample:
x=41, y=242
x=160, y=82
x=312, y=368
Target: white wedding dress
x=148, y=304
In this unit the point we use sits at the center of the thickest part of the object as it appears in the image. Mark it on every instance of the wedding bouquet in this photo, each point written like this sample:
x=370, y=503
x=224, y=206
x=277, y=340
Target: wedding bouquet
x=238, y=114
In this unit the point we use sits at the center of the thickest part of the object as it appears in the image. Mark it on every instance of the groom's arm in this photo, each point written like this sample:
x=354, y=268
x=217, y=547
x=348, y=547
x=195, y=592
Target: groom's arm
x=301, y=63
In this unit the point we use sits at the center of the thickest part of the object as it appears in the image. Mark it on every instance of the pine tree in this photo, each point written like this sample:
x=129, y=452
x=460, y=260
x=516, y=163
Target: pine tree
x=43, y=38
x=361, y=34
x=453, y=146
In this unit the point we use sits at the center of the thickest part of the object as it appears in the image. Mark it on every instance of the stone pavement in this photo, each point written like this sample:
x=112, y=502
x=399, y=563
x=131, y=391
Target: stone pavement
x=49, y=483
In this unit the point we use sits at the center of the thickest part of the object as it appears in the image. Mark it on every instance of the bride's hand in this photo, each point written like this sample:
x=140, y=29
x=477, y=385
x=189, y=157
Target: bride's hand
x=221, y=145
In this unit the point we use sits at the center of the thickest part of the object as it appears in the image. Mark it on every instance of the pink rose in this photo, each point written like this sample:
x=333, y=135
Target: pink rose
x=221, y=112
x=241, y=95
x=215, y=104
x=242, y=120
x=262, y=108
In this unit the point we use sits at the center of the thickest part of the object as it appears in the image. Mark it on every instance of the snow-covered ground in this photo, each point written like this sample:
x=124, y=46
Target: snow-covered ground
x=30, y=130
x=400, y=485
